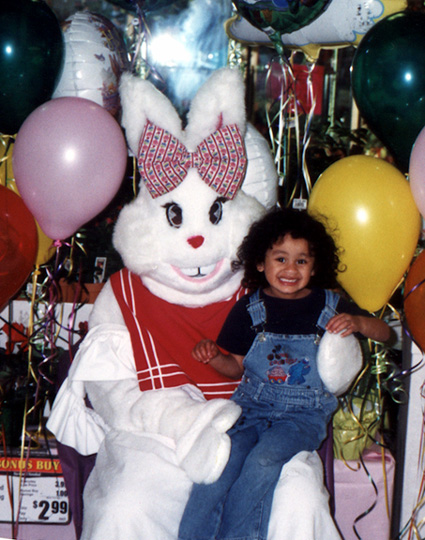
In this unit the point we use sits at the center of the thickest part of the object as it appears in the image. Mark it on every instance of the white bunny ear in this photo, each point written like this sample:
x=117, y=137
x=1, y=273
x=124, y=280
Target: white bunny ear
x=219, y=101
x=261, y=179
x=140, y=100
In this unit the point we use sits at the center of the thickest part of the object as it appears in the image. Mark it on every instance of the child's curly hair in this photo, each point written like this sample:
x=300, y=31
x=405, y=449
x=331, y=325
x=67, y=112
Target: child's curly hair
x=274, y=226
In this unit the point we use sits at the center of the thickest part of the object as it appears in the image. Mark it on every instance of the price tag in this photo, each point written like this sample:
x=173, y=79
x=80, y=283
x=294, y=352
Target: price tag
x=33, y=498
x=299, y=204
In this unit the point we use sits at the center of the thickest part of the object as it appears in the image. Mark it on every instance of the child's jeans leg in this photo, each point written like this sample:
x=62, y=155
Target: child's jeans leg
x=248, y=505
x=202, y=516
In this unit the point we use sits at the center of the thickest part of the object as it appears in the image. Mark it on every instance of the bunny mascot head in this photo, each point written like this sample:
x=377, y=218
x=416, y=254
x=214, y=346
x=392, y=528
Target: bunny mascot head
x=150, y=424
x=194, y=207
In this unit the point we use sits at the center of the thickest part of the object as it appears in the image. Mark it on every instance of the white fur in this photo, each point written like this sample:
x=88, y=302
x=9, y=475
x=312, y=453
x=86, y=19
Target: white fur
x=212, y=105
x=159, y=253
x=339, y=360
x=137, y=97
x=148, y=244
x=157, y=442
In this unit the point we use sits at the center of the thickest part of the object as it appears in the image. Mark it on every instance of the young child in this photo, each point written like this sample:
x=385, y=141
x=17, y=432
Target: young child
x=270, y=338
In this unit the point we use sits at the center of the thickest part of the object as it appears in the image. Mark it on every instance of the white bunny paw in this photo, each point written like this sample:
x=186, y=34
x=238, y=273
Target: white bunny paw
x=204, y=450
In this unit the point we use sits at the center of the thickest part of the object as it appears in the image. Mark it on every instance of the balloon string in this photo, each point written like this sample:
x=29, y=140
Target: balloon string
x=413, y=289
x=311, y=100
x=395, y=376
x=287, y=119
x=8, y=476
x=6, y=141
x=139, y=63
x=42, y=332
x=139, y=22
x=385, y=479
x=282, y=122
x=378, y=366
x=6, y=161
x=30, y=375
x=373, y=505
x=381, y=368
x=412, y=525
x=277, y=141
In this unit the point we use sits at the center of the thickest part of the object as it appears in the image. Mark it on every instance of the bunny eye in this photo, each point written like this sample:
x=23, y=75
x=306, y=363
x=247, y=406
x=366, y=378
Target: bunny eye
x=216, y=210
x=174, y=214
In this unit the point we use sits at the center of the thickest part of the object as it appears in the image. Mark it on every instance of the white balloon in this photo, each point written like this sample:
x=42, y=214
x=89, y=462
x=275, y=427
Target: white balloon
x=342, y=23
x=95, y=56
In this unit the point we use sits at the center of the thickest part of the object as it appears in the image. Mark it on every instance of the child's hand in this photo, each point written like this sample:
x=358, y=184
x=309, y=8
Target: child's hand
x=344, y=324
x=205, y=350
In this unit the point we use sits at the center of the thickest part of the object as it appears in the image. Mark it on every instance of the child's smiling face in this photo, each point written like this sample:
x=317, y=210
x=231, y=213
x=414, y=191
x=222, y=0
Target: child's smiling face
x=288, y=267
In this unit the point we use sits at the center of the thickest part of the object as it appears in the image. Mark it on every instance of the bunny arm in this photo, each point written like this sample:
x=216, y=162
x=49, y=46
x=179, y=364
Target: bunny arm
x=339, y=361
x=196, y=427
x=104, y=369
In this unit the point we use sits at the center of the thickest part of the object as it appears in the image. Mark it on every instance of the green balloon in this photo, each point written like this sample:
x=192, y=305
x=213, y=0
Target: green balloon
x=388, y=82
x=31, y=59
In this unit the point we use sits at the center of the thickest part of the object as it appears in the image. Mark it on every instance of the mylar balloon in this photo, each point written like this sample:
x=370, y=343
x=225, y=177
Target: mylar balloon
x=417, y=171
x=342, y=23
x=69, y=160
x=144, y=5
x=414, y=300
x=95, y=57
x=280, y=17
x=388, y=80
x=18, y=244
x=31, y=56
x=372, y=216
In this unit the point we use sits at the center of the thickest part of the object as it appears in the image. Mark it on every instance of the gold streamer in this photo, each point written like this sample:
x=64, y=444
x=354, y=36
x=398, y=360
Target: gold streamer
x=283, y=122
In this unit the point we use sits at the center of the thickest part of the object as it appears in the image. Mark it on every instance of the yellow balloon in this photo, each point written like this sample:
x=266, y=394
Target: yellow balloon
x=7, y=178
x=369, y=210
x=46, y=249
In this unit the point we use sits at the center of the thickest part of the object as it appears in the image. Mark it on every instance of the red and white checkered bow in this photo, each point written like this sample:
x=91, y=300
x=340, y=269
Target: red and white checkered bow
x=164, y=161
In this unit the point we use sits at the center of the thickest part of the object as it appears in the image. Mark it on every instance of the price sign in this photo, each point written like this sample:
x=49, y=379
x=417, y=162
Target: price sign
x=33, y=498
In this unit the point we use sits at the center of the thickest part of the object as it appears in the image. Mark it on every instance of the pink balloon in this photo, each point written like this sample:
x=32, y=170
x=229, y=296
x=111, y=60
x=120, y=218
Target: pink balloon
x=69, y=160
x=417, y=172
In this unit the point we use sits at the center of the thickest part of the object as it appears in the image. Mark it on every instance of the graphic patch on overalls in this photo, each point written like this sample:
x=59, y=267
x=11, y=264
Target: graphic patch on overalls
x=284, y=369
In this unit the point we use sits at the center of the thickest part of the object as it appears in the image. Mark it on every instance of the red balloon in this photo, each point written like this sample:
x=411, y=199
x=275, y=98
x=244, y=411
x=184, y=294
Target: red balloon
x=414, y=300
x=18, y=244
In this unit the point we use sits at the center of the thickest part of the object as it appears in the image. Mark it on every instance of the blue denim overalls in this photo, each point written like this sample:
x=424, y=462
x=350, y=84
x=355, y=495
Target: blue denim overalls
x=285, y=409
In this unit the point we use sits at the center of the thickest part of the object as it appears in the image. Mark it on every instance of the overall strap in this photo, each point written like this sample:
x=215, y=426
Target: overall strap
x=329, y=310
x=257, y=311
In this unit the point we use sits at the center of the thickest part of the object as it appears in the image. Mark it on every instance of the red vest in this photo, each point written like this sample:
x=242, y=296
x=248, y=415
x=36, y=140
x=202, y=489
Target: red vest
x=164, y=334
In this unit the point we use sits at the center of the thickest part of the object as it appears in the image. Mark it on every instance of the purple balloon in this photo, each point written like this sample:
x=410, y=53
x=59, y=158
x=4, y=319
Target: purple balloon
x=69, y=160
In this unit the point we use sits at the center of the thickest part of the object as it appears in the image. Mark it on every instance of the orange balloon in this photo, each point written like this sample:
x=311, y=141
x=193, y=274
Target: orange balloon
x=414, y=300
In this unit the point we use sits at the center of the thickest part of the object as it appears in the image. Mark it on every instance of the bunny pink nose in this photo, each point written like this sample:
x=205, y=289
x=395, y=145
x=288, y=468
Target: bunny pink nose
x=196, y=241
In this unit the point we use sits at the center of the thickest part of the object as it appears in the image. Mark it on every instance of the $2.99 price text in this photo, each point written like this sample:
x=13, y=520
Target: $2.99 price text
x=49, y=508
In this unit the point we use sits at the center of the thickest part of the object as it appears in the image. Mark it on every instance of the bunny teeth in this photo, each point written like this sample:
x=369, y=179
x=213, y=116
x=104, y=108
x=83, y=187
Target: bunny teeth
x=198, y=272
